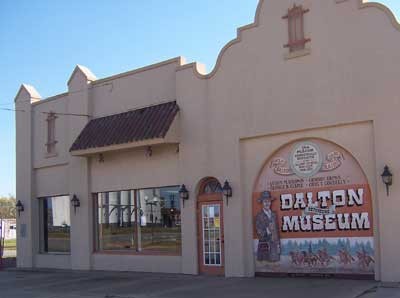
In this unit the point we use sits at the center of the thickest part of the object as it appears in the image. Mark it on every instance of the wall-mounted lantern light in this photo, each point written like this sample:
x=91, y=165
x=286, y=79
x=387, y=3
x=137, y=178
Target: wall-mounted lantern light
x=75, y=203
x=183, y=194
x=387, y=178
x=19, y=207
x=227, y=191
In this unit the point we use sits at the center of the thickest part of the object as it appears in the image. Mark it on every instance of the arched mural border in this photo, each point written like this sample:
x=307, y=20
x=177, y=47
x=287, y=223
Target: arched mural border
x=373, y=195
x=301, y=140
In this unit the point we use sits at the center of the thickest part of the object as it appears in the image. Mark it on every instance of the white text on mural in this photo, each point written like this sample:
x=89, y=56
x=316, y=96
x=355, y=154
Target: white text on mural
x=320, y=213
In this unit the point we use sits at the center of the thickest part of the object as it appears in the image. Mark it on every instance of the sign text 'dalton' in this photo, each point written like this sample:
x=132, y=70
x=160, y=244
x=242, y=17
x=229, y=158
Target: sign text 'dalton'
x=320, y=214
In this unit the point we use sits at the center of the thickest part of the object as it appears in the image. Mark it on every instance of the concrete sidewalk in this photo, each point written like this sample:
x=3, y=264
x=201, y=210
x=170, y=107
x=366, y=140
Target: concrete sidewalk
x=72, y=284
x=383, y=291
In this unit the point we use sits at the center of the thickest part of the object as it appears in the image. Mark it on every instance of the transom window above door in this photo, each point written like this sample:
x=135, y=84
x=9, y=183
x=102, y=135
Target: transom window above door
x=211, y=186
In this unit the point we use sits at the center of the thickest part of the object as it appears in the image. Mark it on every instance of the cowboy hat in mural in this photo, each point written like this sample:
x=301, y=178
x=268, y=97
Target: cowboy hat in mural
x=265, y=195
x=267, y=230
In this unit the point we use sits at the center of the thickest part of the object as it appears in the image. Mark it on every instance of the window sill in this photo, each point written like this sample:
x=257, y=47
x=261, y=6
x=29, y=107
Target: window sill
x=55, y=253
x=136, y=253
x=297, y=54
x=51, y=155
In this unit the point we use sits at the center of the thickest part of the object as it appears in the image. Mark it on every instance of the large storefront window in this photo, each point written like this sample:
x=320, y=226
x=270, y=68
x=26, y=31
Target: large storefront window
x=55, y=224
x=160, y=220
x=116, y=221
x=146, y=220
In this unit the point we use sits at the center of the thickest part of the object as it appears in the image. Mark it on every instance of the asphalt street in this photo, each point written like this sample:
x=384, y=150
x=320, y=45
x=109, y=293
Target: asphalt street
x=72, y=284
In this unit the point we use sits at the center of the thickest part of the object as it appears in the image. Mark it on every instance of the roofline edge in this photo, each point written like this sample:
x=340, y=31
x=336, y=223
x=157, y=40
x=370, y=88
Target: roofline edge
x=389, y=13
x=234, y=41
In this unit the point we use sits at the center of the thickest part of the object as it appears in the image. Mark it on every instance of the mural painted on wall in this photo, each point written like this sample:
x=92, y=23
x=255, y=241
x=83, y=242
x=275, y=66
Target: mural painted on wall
x=312, y=212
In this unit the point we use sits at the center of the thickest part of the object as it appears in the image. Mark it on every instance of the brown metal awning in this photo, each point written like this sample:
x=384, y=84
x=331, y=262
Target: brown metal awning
x=143, y=127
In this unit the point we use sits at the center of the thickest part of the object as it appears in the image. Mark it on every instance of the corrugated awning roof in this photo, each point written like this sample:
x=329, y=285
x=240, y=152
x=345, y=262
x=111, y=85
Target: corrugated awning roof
x=134, y=126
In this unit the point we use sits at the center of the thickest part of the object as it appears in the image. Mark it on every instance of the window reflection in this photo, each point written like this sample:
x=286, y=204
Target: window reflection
x=56, y=223
x=116, y=220
x=160, y=220
x=141, y=220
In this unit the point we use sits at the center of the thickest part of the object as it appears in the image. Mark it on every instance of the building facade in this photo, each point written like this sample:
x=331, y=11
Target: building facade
x=298, y=116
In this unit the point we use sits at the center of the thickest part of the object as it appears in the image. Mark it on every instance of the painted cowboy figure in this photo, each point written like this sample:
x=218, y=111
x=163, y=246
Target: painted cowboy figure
x=267, y=231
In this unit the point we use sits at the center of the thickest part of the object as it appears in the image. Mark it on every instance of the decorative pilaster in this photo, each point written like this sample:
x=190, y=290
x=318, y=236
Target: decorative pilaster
x=25, y=191
x=78, y=170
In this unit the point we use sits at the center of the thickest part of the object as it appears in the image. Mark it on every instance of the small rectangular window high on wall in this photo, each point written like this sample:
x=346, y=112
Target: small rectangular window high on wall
x=295, y=17
x=51, y=134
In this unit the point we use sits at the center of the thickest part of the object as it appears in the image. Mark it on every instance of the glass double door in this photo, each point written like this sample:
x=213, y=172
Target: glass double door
x=211, y=238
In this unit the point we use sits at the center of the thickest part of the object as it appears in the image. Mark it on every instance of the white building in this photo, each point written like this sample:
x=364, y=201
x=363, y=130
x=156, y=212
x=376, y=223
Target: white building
x=8, y=229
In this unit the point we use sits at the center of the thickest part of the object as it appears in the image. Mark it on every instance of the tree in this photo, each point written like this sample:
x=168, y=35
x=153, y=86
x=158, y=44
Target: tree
x=7, y=207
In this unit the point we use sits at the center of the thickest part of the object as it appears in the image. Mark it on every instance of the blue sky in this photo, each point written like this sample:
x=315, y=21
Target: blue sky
x=41, y=42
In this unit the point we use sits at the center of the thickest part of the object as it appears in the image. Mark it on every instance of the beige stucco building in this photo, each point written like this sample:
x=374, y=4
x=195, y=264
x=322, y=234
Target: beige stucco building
x=124, y=145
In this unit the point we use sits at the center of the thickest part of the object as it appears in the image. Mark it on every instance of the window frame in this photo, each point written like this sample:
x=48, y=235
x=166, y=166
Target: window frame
x=136, y=226
x=43, y=222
